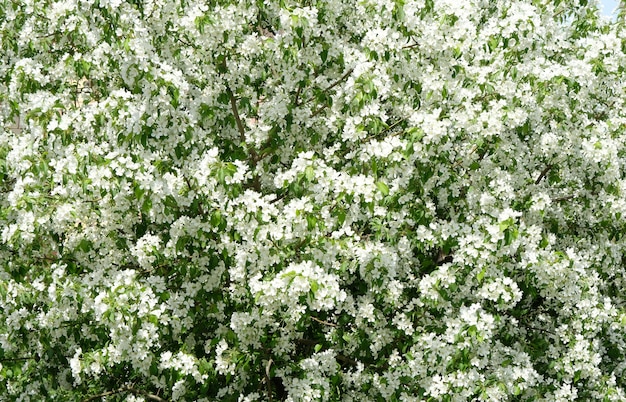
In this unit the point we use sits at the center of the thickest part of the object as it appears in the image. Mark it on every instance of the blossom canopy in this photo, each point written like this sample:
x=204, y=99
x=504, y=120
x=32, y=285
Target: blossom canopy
x=352, y=200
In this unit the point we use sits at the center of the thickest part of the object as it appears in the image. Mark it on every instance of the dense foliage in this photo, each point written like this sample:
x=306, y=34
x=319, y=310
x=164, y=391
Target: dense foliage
x=312, y=200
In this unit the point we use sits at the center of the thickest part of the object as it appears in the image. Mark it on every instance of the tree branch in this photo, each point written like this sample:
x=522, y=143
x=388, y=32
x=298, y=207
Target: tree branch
x=233, y=106
x=346, y=360
x=254, y=158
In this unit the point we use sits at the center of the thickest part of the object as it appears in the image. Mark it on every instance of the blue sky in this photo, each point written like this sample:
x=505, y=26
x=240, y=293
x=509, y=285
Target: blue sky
x=608, y=6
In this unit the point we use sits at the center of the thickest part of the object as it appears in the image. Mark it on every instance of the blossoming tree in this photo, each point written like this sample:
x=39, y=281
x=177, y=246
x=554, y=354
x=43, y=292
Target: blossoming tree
x=312, y=200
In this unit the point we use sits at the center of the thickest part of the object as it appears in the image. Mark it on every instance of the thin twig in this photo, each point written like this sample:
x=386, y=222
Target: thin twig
x=145, y=394
x=458, y=163
x=280, y=197
x=369, y=137
x=188, y=182
x=297, y=99
x=413, y=45
x=184, y=42
x=318, y=111
x=391, y=127
x=102, y=395
x=330, y=324
x=334, y=84
x=540, y=330
x=543, y=174
x=338, y=357
x=17, y=359
x=343, y=77
x=559, y=13
x=148, y=395
x=267, y=379
x=565, y=198
x=48, y=35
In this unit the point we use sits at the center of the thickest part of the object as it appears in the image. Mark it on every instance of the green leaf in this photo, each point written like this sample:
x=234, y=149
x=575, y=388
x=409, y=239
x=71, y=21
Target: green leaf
x=341, y=217
x=181, y=243
x=481, y=275
x=154, y=369
x=85, y=245
x=144, y=138
x=382, y=187
x=311, y=222
x=290, y=275
x=324, y=55
x=510, y=233
x=493, y=43
x=309, y=173
x=147, y=205
x=216, y=218
x=504, y=225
